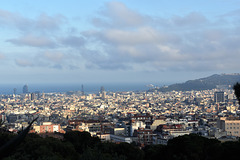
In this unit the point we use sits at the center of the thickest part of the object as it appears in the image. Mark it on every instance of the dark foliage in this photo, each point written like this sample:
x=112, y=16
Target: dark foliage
x=123, y=150
x=193, y=147
x=236, y=88
x=10, y=145
x=157, y=152
x=81, y=140
x=80, y=145
x=190, y=147
x=36, y=147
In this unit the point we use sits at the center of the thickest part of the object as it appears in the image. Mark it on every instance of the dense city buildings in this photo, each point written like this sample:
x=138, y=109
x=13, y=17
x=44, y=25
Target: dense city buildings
x=141, y=117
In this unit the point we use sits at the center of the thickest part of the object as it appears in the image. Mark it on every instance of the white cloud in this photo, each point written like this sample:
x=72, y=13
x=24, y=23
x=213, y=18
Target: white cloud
x=49, y=22
x=24, y=63
x=129, y=39
x=117, y=14
x=124, y=39
x=2, y=56
x=73, y=41
x=9, y=19
x=42, y=23
x=192, y=20
x=33, y=41
x=144, y=35
x=50, y=59
x=54, y=56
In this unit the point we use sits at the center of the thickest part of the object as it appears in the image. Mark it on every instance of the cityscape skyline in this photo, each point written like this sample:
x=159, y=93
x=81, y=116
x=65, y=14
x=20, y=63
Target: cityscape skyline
x=118, y=79
x=117, y=41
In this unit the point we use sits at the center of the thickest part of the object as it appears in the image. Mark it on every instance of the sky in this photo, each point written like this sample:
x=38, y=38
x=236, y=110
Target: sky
x=125, y=41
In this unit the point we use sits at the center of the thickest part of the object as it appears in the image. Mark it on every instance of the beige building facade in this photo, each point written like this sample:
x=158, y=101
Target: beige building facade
x=230, y=125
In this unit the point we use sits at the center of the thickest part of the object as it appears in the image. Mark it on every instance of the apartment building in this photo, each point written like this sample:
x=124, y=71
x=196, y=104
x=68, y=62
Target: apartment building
x=230, y=125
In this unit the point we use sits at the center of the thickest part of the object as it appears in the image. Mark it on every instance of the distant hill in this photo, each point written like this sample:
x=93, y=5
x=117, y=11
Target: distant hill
x=211, y=82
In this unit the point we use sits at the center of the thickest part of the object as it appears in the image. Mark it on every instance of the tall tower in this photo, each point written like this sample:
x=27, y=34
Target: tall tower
x=102, y=89
x=14, y=91
x=104, y=94
x=25, y=88
x=82, y=90
x=33, y=96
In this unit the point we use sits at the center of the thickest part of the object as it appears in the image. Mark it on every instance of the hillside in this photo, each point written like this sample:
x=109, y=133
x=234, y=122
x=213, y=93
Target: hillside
x=211, y=82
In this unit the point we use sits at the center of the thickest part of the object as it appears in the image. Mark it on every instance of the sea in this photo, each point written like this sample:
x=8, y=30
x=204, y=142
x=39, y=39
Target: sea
x=90, y=88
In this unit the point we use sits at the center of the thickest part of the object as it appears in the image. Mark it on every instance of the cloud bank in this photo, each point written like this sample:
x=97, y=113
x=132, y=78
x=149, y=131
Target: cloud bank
x=121, y=38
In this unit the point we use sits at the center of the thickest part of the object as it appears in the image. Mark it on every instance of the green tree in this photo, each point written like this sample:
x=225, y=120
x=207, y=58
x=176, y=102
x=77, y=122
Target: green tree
x=190, y=147
x=7, y=148
x=36, y=147
x=81, y=140
x=236, y=88
x=121, y=151
x=155, y=152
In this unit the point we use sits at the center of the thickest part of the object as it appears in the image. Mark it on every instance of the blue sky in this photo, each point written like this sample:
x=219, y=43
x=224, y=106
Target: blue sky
x=100, y=41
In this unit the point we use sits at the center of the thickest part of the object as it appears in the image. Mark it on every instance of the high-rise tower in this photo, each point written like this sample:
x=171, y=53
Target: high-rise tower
x=25, y=88
x=14, y=91
x=82, y=90
x=102, y=89
x=33, y=96
x=219, y=97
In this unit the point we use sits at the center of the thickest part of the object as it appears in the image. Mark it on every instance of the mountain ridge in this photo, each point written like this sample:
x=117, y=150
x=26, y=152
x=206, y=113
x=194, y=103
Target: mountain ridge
x=210, y=82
